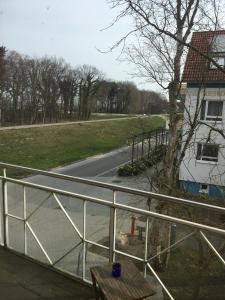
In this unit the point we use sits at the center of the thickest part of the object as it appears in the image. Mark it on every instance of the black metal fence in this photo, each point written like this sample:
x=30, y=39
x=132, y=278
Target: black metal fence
x=142, y=144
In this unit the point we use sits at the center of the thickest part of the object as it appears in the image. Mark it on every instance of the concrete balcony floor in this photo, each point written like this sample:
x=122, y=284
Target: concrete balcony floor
x=21, y=279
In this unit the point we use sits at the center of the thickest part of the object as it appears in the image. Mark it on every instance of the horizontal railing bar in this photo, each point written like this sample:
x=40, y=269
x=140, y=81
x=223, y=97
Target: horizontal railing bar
x=96, y=244
x=87, y=281
x=15, y=217
x=128, y=190
x=170, y=219
x=53, y=190
x=120, y=206
x=129, y=255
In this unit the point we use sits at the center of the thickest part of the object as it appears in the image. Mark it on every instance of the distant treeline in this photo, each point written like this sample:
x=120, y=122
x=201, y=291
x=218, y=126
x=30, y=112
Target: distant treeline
x=49, y=90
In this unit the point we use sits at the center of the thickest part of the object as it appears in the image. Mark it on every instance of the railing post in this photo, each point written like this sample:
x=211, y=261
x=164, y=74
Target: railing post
x=112, y=230
x=84, y=240
x=146, y=246
x=25, y=221
x=4, y=213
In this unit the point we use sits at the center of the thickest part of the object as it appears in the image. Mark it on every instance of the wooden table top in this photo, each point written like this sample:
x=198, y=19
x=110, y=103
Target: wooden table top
x=131, y=285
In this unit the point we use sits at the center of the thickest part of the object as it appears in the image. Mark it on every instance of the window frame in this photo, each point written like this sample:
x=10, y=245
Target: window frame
x=201, y=157
x=212, y=66
x=204, y=115
x=203, y=190
x=217, y=44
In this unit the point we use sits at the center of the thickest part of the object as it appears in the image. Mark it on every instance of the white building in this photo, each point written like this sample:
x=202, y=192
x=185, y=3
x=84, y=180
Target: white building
x=203, y=167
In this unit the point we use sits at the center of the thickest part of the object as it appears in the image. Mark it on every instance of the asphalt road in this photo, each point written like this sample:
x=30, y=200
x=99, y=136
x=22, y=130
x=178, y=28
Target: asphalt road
x=99, y=165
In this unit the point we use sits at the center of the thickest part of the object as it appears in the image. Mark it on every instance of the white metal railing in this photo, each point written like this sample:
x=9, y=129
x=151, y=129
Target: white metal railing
x=113, y=206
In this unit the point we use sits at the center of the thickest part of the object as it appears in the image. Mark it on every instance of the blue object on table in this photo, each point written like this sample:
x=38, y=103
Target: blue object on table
x=116, y=270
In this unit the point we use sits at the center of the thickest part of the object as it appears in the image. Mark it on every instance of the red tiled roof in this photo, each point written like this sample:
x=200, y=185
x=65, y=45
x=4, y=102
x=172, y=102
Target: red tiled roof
x=197, y=67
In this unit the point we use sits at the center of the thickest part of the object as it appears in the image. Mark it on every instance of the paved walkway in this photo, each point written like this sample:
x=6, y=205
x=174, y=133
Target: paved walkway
x=67, y=123
x=21, y=279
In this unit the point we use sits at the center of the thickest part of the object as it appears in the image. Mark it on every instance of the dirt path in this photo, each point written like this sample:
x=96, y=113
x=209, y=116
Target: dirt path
x=66, y=123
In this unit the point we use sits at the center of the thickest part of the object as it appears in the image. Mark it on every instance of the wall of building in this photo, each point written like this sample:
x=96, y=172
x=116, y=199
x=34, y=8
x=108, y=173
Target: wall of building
x=215, y=191
x=199, y=171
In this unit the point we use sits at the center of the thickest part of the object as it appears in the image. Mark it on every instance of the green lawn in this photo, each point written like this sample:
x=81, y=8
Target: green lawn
x=49, y=147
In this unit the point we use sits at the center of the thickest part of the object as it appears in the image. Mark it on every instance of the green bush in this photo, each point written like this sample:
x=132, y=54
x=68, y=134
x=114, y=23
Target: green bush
x=142, y=164
x=130, y=170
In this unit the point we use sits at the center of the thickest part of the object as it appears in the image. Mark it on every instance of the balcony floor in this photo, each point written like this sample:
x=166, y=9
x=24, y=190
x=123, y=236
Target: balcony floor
x=21, y=279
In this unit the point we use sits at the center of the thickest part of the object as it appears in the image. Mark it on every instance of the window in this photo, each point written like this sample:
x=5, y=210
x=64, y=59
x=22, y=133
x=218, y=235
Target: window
x=204, y=188
x=207, y=152
x=211, y=110
x=219, y=60
x=218, y=43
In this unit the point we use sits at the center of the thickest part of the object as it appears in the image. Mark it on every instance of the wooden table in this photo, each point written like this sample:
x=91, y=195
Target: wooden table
x=130, y=285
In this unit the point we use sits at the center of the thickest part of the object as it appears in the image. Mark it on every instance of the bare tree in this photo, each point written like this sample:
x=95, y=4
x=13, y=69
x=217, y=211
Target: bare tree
x=118, y=97
x=89, y=78
x=153, y=102
x=162, y=30
x=69, y=85
x=50, y=76
x=15, y=84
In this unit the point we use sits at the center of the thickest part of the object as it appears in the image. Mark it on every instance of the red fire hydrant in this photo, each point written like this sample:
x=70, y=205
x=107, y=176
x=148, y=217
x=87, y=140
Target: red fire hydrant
x=133, y=224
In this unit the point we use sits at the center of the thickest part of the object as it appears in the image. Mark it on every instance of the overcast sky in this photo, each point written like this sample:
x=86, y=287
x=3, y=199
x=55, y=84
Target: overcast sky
x=70, y=29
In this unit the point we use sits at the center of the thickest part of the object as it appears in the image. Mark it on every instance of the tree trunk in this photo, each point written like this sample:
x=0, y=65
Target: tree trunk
x=168, y=178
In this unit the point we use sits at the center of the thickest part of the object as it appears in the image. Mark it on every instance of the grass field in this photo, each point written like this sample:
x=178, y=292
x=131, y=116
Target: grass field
x=49, y=147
